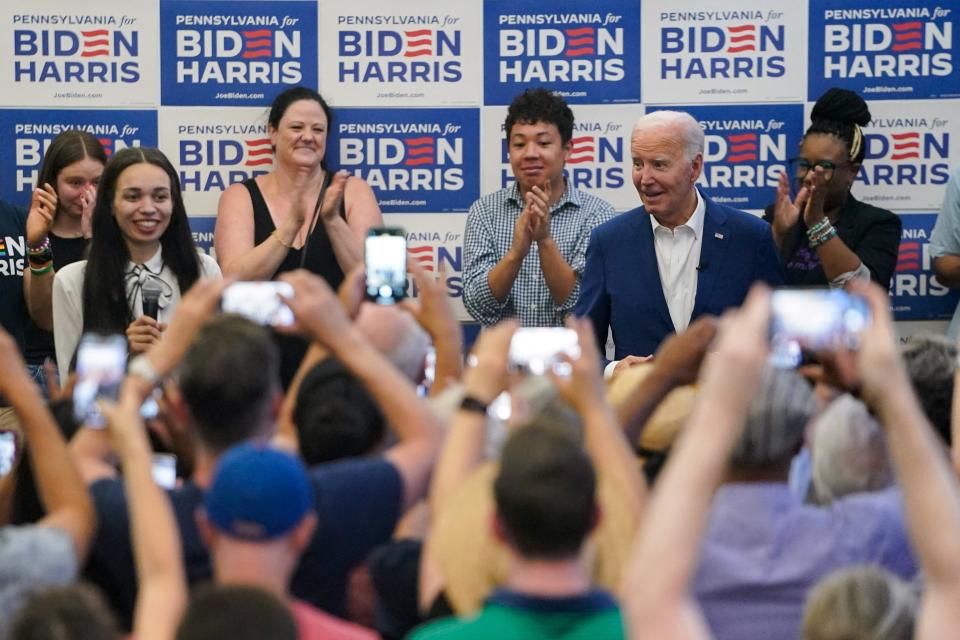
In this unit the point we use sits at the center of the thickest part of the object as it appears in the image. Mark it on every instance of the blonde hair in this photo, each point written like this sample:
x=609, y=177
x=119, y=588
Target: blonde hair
x=860, y=603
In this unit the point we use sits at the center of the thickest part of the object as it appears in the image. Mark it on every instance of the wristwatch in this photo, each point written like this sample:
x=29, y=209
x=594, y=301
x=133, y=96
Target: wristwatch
x=469, y=403
x=141, y=367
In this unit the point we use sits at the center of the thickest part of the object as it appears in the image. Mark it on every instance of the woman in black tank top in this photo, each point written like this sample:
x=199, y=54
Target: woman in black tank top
x=300, y=215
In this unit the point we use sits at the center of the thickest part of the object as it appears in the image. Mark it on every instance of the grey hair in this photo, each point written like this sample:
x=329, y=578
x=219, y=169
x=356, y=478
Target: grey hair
x=931, y=361
x=849, y=452
x=860, y=602
x=777, y=420
x=690, y=129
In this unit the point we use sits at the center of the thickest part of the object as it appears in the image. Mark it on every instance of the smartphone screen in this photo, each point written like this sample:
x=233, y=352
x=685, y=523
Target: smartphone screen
x=814, y=319
x=259, y=302
x=385, y=255
x=164, y=470
x=536, y=350
x=8, y=451
x=101, y=363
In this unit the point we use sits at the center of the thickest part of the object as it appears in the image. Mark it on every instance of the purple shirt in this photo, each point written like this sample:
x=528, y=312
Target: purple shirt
x=765, y=549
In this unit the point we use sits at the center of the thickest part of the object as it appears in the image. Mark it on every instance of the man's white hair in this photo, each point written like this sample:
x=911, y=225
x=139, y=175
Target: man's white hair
x=849, y=452
x=690, y=129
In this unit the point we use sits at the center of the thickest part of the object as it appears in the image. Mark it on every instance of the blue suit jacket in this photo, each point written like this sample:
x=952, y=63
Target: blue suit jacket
x=621, y=286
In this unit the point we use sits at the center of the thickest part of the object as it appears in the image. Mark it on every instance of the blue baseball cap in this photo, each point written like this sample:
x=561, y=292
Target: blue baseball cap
x=258, y=493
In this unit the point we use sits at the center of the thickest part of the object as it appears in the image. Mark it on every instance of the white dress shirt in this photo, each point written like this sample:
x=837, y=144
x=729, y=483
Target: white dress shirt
x=68, y=299
x=678, y=256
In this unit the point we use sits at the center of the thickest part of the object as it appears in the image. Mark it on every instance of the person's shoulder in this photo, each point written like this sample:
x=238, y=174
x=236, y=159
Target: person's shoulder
x=619, y=223
x=72, y=272
x=739, y=218
x=443, y=629
x=208, y=266
x=595, y=204
x=354, y=470
x=34, y=541
x=872, y=214
x=315, y=623
x=494, y=199
x=15, y=214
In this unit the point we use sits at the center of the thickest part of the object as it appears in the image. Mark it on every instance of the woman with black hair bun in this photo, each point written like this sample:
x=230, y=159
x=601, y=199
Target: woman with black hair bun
x=826, y=236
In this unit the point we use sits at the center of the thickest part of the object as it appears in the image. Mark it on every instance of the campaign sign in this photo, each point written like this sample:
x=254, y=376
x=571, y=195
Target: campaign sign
x=738, y=51
x=915, y=293
x=235, y=53
x=212, y=149
x=416, y=160
x=584, y=53
x=435, y=243
x=599, y=159
x=25, y=136
x=908, y=151
x=89, y=54
x=416, y=55
x=746, y=148
x=201, y=228
x=884, y=49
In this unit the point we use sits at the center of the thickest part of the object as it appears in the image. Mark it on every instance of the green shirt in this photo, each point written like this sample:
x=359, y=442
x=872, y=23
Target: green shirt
x=507, y=614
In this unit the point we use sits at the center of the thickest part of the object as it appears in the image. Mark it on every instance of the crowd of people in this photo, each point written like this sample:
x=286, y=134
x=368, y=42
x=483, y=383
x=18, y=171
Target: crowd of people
x=329, y=484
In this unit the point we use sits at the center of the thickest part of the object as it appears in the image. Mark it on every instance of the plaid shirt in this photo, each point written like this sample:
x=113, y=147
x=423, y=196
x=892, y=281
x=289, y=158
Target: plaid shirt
x=488, y=237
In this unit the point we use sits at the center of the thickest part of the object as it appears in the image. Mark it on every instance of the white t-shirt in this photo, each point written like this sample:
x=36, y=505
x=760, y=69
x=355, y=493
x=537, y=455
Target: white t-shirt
x=68, y=299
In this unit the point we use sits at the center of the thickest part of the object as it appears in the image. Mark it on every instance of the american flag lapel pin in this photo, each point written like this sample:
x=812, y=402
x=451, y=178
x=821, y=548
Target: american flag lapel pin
x=718, y=236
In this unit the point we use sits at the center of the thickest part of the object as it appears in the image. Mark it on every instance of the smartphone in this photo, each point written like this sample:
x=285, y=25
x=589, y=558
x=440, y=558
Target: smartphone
x=815, y=320
x=164, y=470
x=8, y=451
x=101, y=364
x=259, y=302
x=385, y=256
x=150, y=408
x=535, y=350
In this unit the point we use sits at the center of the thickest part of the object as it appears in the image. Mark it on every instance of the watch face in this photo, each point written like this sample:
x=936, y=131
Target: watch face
x=142, y=368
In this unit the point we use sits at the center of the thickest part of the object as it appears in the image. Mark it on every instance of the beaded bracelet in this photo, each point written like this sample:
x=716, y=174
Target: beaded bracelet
x=819, y=227
x=822, y=238
x=42, y=247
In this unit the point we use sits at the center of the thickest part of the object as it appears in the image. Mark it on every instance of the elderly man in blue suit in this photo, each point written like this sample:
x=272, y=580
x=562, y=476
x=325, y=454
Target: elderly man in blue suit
x=651, y=271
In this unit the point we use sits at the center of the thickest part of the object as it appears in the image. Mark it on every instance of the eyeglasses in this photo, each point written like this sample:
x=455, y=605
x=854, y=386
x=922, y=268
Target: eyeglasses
x=799, y=167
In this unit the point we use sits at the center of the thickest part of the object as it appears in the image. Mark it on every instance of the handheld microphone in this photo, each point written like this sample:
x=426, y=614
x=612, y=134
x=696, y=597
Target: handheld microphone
x=150, y=299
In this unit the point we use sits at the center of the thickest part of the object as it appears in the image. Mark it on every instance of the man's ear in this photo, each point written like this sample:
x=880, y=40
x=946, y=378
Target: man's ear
x=498, y=530
x=302, y=534
x=597, y=517
x=208, y=534
x=697, y=166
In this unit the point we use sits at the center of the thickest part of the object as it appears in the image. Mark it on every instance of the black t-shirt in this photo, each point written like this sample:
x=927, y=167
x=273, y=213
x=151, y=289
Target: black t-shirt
x=39, y=343
x=13, y=260
x=357, y=502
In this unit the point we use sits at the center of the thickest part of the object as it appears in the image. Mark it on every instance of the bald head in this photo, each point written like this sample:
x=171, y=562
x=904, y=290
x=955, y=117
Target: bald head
x=396, y=335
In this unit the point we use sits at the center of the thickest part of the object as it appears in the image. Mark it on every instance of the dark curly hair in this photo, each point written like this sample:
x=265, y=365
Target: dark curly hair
x=541, y=105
